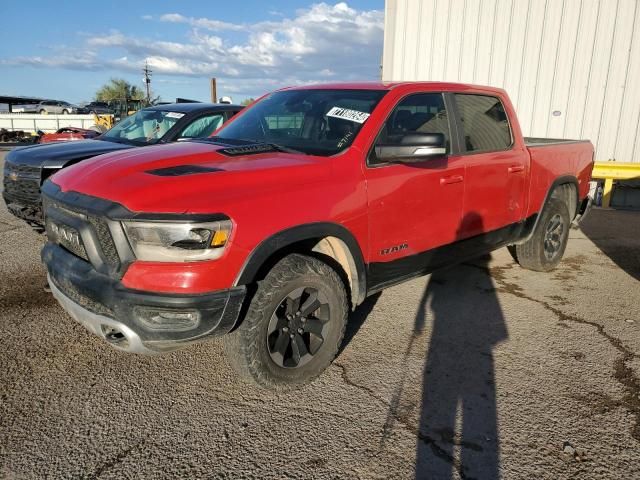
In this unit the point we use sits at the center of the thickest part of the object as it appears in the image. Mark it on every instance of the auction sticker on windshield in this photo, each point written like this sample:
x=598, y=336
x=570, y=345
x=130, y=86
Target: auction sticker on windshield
x=348, y=114
x=174, y=115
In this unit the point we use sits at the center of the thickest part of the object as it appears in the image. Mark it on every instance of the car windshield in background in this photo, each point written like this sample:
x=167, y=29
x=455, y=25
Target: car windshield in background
x=314, y=121
x=144, y=127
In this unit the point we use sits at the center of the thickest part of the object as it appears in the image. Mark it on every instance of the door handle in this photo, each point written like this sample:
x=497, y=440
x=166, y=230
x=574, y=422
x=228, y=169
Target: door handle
x=451, y=179
x=516, y=168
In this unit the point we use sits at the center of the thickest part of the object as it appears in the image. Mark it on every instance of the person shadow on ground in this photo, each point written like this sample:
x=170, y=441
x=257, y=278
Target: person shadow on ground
x=457, y=431
x=458, y=421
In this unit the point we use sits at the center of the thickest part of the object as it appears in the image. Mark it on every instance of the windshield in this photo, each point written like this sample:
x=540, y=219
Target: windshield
x=314, y=121
x=144, y=127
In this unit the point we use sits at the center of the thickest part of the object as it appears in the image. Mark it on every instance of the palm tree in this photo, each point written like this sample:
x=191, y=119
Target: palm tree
x=119, y=89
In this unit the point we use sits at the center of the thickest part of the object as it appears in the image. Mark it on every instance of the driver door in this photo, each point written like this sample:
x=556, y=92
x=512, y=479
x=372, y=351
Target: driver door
x=413, y=207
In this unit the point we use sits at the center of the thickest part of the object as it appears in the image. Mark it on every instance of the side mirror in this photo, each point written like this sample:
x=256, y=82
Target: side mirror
x=413, y=147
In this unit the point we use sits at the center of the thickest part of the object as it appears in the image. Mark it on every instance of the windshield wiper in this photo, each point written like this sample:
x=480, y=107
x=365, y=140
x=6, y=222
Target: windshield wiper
x=282, y=148
x=211, y=140
x=253, y=143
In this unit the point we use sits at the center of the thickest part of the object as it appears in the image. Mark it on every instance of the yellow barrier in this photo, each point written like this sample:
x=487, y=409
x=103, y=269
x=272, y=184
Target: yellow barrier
x=610, y=171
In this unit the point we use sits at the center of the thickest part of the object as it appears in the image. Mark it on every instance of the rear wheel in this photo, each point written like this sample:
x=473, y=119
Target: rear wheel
x=43, y=111
x=544, y=250
x=293, y=327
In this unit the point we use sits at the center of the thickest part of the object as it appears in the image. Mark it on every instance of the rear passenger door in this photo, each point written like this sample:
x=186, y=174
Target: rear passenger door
x=495, y=170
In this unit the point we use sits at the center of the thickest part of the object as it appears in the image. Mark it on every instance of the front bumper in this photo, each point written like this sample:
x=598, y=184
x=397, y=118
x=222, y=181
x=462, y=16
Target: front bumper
x=30, y=213
x=109, y=310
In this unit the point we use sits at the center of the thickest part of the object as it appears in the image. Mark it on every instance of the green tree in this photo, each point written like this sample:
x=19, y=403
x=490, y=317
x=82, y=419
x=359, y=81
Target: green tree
x=247, y=101
x=119, y=89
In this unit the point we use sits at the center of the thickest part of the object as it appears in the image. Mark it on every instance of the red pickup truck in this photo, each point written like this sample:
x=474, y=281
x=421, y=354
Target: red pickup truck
x=307, y=202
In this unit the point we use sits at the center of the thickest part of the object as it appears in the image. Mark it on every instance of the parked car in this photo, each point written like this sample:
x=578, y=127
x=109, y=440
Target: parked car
x=26, y=168
x=68, y=134
x=306, y=203
x=96, y=108
x=53, y=106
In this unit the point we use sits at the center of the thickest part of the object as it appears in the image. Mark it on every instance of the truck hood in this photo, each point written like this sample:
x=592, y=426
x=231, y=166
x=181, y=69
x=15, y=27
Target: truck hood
x=60, y=154
x=189, y=177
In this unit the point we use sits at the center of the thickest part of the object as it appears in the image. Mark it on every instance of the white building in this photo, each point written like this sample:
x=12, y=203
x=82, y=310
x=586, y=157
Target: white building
x=571, y=67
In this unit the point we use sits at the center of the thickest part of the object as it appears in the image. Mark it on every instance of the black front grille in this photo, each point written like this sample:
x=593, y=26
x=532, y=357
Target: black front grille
x=67, y=237
x=106, y=241
x=26, y=170
x=22, y=183
x=106, y=245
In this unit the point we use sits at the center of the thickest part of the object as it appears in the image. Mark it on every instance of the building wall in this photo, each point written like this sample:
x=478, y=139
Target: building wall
x=571, y=67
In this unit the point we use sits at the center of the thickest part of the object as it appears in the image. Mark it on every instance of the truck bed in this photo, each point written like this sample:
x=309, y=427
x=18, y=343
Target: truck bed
x=544, y=142
x=554, y=159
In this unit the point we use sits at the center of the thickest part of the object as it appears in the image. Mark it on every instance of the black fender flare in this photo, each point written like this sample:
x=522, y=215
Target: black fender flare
x=532, y=222
x=299, y=233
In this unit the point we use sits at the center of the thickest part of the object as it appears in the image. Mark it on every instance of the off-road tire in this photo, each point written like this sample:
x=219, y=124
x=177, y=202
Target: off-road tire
x=531, y=254
x=246, y=347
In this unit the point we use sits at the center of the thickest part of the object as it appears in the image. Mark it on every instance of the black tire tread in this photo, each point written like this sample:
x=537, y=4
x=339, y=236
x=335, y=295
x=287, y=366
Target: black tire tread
x=241, y=347
x=530, y=254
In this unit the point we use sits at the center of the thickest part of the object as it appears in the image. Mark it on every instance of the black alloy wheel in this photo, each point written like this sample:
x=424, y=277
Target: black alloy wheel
x=553, y=236
x=297, y=328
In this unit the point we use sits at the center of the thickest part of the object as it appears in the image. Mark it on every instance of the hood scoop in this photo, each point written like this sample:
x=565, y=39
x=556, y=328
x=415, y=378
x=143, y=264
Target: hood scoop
x=247, y=149
x=180, y=170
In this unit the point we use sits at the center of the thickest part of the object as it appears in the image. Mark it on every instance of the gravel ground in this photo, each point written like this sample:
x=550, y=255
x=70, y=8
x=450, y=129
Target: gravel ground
x=484, y=370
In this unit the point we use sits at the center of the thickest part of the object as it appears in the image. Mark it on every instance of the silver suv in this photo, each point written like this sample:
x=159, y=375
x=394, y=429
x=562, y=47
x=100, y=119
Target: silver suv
x=55, y=106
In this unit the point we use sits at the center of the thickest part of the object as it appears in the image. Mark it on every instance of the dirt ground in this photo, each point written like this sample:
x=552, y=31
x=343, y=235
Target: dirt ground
x=481, y=371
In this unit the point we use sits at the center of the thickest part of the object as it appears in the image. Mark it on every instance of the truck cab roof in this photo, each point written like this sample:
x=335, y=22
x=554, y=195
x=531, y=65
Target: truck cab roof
x=193, y=107
x=391, y=85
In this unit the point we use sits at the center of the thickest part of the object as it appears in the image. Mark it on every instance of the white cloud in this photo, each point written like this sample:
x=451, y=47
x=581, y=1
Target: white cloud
x=323, y=41
x=206, y=23
x=173, y=17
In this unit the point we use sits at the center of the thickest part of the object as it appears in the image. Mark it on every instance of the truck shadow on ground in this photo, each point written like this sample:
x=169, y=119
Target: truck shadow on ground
x=616, y=233
x=357, y=319
x=457, y=429
x=26, y=292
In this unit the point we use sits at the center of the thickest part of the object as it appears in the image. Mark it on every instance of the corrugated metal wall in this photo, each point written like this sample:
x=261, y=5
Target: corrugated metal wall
x=571, y=67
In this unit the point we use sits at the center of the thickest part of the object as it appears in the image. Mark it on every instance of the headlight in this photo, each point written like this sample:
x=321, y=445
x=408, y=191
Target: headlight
x=178, y=242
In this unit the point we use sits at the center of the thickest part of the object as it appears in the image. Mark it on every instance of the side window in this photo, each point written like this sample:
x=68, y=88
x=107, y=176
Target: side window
x=422, y=113
x=484, y=123
x=203, y=126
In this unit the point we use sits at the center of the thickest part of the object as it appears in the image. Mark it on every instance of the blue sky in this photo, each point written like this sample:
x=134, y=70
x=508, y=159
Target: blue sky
x=67, y=50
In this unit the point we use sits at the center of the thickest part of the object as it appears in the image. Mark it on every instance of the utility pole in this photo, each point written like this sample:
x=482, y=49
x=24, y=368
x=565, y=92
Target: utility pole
x=214, y=91
x=147, y=80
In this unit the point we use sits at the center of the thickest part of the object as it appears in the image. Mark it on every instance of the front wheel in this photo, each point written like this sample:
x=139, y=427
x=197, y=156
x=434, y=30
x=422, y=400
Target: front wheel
x=65, y=112
x=293, y=327
x=544, y=250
